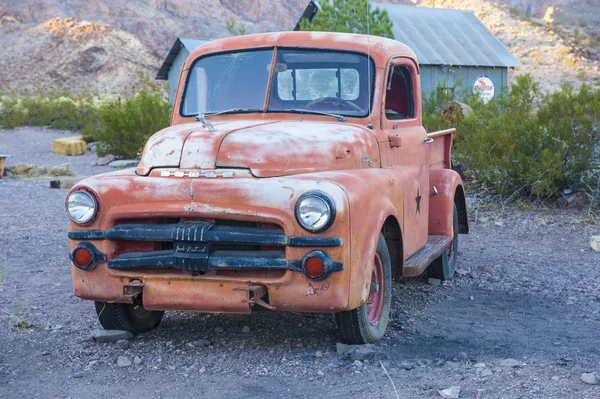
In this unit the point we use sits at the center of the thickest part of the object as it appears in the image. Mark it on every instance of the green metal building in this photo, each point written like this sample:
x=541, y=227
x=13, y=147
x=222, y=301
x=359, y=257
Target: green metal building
x=452, y=47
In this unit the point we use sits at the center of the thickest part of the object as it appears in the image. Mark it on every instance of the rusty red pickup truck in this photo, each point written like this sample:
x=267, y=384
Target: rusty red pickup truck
x=296, y=175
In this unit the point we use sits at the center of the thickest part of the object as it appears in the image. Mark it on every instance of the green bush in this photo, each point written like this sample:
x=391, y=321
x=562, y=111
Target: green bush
x=127, y=125
x=122, y=126
x=55, y=110
x=526, y=142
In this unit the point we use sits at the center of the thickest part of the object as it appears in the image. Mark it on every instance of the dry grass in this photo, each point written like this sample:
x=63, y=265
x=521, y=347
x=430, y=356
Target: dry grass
x=535, y=56
x=22, y=170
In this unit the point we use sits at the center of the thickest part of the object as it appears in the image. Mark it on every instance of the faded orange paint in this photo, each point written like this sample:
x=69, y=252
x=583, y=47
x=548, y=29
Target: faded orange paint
x=372, y=169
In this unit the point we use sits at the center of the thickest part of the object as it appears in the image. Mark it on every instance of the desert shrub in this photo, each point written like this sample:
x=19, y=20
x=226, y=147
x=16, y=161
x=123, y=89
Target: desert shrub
x=527, y=142
x=121, y=125
x=24, y=170
x=55, y=110
x=126, y=125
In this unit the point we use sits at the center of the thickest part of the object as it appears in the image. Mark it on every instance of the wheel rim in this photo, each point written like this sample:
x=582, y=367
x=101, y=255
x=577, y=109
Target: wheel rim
x=376, y=297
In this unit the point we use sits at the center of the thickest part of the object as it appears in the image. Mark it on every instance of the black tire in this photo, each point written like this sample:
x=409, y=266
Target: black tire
x=355, y=326
x=444, y=266
x=128, y=317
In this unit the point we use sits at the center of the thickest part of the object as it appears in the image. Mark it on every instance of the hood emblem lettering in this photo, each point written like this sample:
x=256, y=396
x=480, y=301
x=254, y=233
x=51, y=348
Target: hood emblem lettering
x=367, y=160
x=193, y=174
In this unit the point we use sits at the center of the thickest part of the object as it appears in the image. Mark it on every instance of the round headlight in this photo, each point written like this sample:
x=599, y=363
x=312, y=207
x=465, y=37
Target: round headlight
x=315, y=211
x=81, y=206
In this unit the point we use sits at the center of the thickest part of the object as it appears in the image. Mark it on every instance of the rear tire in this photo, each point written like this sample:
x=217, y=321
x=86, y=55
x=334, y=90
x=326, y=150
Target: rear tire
x=368, y=323
x=128, y=317
x=444, y=266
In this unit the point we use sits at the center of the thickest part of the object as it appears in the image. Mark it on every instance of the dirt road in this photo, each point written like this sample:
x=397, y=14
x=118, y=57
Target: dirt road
x=527, y=289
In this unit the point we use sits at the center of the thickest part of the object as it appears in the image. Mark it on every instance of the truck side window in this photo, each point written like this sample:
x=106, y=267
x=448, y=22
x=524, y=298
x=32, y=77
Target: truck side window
x=399, y=98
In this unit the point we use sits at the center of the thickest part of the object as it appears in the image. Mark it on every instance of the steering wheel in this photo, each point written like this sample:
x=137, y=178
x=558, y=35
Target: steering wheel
x=334, y=101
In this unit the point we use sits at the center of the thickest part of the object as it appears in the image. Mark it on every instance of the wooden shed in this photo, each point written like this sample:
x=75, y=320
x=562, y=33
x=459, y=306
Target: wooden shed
x=171, y=67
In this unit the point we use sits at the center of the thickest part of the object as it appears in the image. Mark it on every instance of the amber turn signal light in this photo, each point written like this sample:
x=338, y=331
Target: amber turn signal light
x=314, y=267
x=82, y=257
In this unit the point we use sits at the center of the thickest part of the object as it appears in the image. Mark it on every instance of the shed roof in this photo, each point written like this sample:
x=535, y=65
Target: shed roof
x=189, y=44
x=441, y=36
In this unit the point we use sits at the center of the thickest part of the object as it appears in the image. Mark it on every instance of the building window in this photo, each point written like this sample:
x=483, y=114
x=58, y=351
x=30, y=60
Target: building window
x=399, y=101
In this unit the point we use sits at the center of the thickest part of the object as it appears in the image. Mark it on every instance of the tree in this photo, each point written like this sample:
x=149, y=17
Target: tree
x=234, y=29
x=349, y=16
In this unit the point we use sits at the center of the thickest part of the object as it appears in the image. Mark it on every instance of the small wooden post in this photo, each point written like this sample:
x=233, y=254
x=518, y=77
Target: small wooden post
x=2, y=162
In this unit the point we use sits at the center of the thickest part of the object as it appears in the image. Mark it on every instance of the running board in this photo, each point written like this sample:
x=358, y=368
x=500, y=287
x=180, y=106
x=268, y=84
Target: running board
x=416, y=264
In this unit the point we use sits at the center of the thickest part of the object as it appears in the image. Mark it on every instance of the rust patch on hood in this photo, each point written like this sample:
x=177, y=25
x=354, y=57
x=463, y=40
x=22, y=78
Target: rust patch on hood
x=285, y=148
x=187, y=146
x=267, y=148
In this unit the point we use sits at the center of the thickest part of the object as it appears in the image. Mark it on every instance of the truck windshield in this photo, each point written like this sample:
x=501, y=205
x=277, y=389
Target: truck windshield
x=304, y=81
x=321, y=81
x=228, y=81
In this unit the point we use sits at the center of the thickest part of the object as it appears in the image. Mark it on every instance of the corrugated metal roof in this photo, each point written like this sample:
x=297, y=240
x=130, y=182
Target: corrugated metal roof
x=189, y=44
x=440, y=36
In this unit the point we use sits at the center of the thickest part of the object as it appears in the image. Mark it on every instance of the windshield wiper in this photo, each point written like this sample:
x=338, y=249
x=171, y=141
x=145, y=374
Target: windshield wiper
x=233, y=111
x=206, y=124
x=340, y=118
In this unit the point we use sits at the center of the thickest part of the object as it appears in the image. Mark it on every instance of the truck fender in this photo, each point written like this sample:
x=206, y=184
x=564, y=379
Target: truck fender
x=364, y=244
x=450, y=190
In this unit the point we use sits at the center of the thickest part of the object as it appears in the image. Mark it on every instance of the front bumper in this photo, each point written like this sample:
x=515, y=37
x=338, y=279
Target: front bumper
x=193, y=247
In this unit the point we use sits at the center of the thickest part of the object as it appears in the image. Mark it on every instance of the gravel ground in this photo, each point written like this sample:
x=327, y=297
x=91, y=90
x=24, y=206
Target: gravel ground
x=527, y=288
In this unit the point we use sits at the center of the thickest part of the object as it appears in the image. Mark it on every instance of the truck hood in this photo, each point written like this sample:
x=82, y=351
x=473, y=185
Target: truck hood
x=268, y=149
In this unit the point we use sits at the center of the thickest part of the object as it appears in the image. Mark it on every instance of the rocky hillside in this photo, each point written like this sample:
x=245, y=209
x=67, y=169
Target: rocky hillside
x=67, y=54
x=558, y=41
x=159, y=22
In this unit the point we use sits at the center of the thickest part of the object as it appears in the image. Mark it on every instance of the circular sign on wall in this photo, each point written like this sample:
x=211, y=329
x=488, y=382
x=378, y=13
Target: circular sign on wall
x=484, y=87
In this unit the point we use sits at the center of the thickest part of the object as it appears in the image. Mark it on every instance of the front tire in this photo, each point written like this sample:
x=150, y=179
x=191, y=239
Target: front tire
x=368, y=323
x=128, y=317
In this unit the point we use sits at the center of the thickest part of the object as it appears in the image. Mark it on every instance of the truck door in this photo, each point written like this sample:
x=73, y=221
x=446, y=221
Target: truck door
x=401, y=121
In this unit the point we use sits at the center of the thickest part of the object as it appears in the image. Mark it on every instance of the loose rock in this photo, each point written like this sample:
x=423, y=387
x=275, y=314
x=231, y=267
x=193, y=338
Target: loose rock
x=361, y=353
x=406, y=366
x=434, y=281
x=110, y=335
x=357, y=363
x=245, y=329
x=486, y=372
x=123, y=361
x=451, y=392
x=219, y=330
x=137, y=360
x=589, y=378
x=105, y=160
x=318, y=354
x=122, y=344
x=453, y=365
x=595, y=243
x=343, y=349
x=574, y=201
x=66, y=184
x=510, y=363
x=200, y=343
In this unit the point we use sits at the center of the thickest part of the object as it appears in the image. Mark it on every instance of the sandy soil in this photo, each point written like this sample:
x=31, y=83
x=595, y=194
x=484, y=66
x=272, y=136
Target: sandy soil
x=527, y=288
